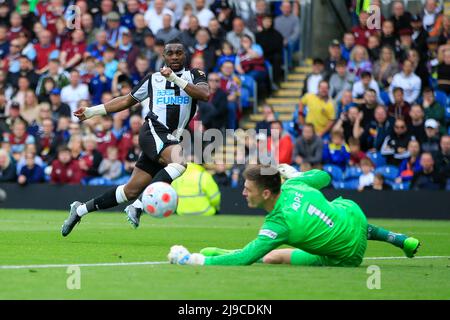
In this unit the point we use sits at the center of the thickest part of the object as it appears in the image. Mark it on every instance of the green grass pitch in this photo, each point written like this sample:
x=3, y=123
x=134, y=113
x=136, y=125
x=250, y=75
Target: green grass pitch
x=31, y=237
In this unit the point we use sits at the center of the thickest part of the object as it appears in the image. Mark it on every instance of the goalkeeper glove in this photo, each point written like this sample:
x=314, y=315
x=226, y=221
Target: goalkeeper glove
x=180, y=255
x=287, y=172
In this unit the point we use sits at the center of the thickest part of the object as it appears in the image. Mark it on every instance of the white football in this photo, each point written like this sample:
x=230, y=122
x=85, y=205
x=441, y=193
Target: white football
x=160, y=200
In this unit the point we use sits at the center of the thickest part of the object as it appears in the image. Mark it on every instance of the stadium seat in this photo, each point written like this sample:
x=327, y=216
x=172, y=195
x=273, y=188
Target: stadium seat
x=441, y=97
x=269, y=69
x=385, y=97
x=335, y=172
x=350, y=185
x=389, y=172
x=352, y=173
x=401, y=186
x=249, y=98
x=447, y=112
x=448, y=185
x=377, y=159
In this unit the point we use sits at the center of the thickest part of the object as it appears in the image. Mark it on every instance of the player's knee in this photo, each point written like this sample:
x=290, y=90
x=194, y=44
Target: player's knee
x=272, y=258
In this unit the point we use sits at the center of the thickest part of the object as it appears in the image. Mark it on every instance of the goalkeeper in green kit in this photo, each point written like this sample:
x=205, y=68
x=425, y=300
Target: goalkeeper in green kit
x=322, y=233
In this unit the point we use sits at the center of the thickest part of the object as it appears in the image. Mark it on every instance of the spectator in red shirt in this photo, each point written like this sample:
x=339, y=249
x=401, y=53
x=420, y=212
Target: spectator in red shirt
x=281, y=143
x=43, y=50
x=400, y=108
x=127, y=138
x=16, y=26
x=105, y=137
x=65, y=170
x=356, y=155
x=362, y=32
x=72, y=51
x=51, y=12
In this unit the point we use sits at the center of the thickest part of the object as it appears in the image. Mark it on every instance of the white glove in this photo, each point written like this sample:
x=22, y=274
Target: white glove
x=180, y=255
x=287, y=171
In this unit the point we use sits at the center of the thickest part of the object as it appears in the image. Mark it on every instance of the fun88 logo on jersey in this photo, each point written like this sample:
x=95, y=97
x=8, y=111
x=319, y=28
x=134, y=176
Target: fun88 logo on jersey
x=168, y=97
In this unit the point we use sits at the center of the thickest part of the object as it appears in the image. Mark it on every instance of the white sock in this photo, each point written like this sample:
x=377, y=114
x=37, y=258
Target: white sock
x=120, y=195
x=174, y=170
x=82, y=210
x=138, y=204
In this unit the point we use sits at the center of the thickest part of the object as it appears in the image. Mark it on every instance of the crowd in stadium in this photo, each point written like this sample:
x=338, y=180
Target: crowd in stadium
x=378, y=100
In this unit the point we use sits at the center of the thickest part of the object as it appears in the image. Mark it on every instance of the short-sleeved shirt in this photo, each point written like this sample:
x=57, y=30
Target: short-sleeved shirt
x=172, y=106
x=319, y=112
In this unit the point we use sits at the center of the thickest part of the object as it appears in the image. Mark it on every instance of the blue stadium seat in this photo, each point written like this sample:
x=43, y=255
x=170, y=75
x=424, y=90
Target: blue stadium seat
x=385, y=97
x=401, y=186
x=350, y=185
x=377, y=159
x=335, y=172
x=352, y=173
x=441, y=97
x=389, y=172
x=447, y=111
x=248, y=91
x=269, y=69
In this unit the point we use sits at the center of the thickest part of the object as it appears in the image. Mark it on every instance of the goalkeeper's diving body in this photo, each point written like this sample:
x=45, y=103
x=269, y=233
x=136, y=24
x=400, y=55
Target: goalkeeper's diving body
x=322, y=233
x=172, y=94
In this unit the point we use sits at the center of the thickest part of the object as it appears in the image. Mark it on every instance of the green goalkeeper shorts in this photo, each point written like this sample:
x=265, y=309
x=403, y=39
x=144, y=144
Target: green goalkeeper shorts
x=303, y=258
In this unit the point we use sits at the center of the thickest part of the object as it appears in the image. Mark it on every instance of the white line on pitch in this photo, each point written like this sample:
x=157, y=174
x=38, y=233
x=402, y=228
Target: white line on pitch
x=123, y=264
x=396, y=258
x=115, y=264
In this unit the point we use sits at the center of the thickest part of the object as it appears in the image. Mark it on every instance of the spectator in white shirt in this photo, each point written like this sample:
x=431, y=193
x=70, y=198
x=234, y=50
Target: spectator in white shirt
x=74, y=92
x=367, y=176
x=408, y=81
x=360, y=87
x=203, y=14
x=154, y=16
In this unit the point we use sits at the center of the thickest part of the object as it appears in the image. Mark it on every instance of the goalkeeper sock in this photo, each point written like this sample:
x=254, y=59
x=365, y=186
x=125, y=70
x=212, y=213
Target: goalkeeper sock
x=109, y=199
x=380, y=234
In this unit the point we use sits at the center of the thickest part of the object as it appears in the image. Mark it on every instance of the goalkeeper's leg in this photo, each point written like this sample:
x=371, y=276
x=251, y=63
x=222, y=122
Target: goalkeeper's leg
x=409, y=245
x=294, y=257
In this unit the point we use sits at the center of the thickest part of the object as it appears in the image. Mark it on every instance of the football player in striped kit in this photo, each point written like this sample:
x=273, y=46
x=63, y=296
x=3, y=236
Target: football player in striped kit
x=172, y=95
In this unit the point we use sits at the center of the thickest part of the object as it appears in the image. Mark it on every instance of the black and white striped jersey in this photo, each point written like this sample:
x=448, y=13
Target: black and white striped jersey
x=173, y=107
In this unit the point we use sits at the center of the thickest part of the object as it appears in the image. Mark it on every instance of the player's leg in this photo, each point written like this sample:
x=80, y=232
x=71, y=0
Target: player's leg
x=408, y=244
x=111, y=198
x=134, y=210
x=175, y=164
x=294, y=257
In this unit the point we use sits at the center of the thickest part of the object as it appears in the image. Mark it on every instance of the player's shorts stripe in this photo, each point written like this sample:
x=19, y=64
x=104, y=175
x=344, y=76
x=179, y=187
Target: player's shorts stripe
x=159, y=144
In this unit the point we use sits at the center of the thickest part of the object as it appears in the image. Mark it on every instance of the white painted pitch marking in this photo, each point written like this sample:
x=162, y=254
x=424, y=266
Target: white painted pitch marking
x=124, y=264
x=114, y=264
x=397, y=258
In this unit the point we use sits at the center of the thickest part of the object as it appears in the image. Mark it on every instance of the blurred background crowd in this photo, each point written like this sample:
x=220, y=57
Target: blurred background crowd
x=374, y=112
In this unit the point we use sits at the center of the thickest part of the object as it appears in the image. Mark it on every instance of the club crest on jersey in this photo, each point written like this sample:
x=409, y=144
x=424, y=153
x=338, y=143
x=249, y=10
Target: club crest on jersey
x=168, y=97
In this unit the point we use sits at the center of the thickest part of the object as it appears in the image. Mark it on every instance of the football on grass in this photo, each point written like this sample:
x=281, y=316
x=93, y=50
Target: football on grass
x=160, y=200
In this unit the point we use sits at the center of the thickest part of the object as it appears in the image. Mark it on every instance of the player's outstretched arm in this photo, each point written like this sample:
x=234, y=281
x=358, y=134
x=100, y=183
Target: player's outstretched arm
x=115, y=105
x=317, y=179
x=271, y=236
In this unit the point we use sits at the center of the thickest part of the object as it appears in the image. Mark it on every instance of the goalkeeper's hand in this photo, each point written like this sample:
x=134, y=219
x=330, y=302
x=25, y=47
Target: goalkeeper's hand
x=287, y=172
x=180, y=255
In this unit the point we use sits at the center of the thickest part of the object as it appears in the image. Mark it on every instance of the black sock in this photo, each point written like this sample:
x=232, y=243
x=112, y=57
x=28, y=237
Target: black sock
x=163, y=176
x=105, y=201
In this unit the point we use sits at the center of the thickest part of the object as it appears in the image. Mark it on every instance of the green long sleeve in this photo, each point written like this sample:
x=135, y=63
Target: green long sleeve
x=271, y=236
x=316, y=179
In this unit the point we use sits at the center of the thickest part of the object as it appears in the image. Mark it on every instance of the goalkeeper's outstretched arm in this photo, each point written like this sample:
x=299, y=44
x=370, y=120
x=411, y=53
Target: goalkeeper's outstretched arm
x=317, y=179
x=271, y=236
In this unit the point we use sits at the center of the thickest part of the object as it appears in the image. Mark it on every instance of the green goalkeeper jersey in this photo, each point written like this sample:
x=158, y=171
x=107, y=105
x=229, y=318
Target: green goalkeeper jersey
x=303, y=218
